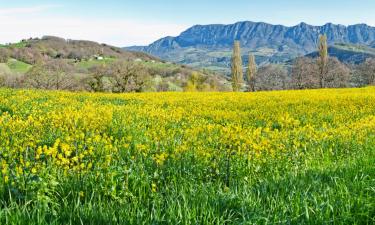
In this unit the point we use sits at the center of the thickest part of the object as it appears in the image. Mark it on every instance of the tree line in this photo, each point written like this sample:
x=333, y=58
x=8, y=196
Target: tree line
x=119, y=76
x=304, y=73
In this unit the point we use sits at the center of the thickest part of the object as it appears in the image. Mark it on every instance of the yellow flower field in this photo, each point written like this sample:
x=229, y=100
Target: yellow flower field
x=188, y=158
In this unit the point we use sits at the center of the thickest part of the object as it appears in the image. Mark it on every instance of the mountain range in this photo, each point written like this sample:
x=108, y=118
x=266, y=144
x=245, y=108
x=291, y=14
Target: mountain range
x=210, y=46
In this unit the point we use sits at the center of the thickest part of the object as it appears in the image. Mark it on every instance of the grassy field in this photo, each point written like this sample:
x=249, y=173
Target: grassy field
x=90, y=63
x=14, y=66
x=160, y=65
x=290, y=157
x=18, y=66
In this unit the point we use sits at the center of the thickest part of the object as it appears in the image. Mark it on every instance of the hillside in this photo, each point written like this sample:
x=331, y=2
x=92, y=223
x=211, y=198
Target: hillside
x=210, y=46
x=349, y=53
x=49, y=47
x=82, y=57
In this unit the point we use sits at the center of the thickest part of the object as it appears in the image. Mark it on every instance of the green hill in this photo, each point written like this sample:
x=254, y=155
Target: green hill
x=349, y=53
x=81, y=57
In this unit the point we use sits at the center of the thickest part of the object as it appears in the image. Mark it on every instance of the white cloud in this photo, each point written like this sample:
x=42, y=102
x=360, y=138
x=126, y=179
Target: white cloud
x=32, y=9
x=20, y=23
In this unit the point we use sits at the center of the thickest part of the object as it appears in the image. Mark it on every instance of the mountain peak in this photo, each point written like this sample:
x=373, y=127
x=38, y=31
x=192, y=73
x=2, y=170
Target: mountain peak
x=210, y=45
x=303, y=24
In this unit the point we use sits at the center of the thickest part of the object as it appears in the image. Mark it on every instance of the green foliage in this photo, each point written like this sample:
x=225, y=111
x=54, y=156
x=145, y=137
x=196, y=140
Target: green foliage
x=193, y=82
x=200, y=82
x=21, y=44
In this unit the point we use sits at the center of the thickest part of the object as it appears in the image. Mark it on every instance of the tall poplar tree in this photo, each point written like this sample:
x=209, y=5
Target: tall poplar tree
x=237, y=70
x=323, y=59
x=251, y=72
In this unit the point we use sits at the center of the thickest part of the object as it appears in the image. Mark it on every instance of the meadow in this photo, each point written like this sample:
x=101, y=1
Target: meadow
x=14, y=66
x=287, y=157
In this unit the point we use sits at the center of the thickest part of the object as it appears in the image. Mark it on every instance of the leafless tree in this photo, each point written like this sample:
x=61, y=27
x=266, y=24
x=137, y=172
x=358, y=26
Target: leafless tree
x=2, y=79
x=366, y=72
x=53, y=75
x=338, y=74
x=27, y=55
x=305, y=74
x=127, y=76
x=4, y=55
x=271, y=77
x=95, y=80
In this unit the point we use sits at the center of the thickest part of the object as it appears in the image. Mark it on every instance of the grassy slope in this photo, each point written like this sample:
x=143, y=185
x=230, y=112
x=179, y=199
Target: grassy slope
x=14, y=66
x=91, y=63
x=18, y=66
x=356, y=48
x=148, y=64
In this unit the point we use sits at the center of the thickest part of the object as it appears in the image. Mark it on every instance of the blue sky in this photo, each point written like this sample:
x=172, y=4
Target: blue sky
x=139, y=22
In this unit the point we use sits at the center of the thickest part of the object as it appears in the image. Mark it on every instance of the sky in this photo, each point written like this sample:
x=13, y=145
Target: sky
x=140, y=22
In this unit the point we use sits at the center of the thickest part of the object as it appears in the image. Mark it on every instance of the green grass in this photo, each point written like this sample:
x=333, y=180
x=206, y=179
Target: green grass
x=18, y=66
x=334, y=192
x=160, y=65
x=148, y=64
x=330, y=179
x=14, y=66
x=90, y=63
x=218, y=54
x=356, y=48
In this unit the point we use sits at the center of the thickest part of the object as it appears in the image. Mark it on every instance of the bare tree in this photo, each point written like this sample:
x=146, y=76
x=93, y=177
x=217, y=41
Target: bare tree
x=38, y=77
x=62, y=74
x=305, y=73
x=53, y=75
x=338, y=74
x=2, y=79
x=366, y=72
x=95, y=80
x=27, y=55
x=4, y=55
x=128, y=76
x=271, y=77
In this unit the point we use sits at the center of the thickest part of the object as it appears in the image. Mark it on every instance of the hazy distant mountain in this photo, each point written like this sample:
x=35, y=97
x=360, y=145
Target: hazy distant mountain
x=210, y=45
